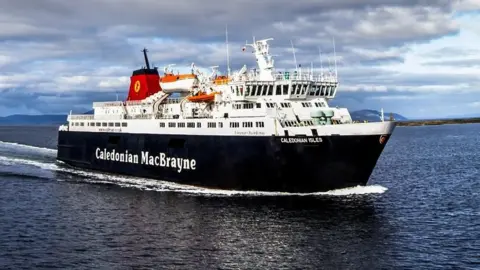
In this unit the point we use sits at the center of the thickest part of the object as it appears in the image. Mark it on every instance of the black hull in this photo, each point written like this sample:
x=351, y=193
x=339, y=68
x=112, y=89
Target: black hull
x=231, y=162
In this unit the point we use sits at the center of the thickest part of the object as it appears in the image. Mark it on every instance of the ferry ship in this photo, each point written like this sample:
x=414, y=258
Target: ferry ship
x=255, y=130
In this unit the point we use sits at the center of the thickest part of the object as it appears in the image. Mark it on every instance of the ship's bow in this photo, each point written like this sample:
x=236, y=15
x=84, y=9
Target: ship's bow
x=331, y=162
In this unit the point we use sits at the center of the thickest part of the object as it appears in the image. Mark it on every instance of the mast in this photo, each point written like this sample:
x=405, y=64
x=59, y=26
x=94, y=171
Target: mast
x=146, y=57
x=228, y=55
x=294, y=57
x=335, y=58
x=311, y=70
x=321, y=64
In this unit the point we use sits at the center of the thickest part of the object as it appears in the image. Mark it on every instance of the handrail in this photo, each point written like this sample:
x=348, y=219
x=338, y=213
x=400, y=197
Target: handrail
x=80, y=116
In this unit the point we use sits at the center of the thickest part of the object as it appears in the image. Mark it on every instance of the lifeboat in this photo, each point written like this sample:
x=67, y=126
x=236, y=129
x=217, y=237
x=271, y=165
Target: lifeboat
x=220, y=80
x=203, y=97
x=171, y=83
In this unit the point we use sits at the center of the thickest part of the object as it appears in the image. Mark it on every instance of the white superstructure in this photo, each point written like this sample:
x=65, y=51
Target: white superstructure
x=257, y=102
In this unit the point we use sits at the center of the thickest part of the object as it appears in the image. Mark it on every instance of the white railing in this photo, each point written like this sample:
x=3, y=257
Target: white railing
x=303, y=76
x=140, y=116
x=80, y=117
x=107, y=104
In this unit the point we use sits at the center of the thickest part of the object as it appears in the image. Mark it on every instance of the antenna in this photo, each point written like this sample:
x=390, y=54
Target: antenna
x=321, y=64
x=335, y=58
x=294, y=57
x=311, y=70
x=228, y=56
x=146, y=58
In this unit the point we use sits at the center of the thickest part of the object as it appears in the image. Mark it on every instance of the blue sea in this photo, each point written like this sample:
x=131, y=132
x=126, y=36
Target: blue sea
x=421, y=210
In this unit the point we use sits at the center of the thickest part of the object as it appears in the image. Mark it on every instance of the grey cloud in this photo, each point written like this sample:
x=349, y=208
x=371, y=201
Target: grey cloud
x=98, y=29
x=457, y=63
x=68, y=38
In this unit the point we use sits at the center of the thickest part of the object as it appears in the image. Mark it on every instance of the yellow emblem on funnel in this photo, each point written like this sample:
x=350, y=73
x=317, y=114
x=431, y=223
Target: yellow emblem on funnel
x=137, y=86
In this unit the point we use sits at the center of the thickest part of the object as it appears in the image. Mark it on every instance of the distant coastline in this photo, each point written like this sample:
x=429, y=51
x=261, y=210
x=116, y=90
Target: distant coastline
x=437, y=122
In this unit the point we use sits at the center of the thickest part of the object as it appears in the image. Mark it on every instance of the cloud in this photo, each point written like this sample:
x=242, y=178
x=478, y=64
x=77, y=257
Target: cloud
x=57, y=55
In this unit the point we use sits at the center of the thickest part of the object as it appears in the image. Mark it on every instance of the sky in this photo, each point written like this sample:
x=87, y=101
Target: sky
x=419, y=58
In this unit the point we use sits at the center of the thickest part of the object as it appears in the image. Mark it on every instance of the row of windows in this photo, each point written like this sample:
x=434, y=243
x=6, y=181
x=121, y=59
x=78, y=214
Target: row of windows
x=246, y=106
x=100, y=124
x=296, y=124
x=296, y=89
x=212, y=124
x=322, y=90
x=273, y=105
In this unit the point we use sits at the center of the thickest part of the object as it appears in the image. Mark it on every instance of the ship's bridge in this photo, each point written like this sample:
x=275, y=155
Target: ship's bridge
x=286, y=85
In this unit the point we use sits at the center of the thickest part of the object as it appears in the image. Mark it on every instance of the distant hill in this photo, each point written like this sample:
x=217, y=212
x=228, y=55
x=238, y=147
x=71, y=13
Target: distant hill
x=374, y=116
x=461, y=116
x=46, y=119
x=43, y=119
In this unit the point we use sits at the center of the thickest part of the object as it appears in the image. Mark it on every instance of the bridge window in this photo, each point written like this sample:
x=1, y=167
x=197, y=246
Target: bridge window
x=270, y=90
x=278, y=91
x=264, y=90
x=292, y=89
x=285, y=89
x=306, y=87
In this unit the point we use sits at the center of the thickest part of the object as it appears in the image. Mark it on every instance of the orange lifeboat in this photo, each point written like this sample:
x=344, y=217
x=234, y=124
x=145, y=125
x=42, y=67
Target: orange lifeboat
x=220, y=80
x=171, y=83
x=203, y=97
